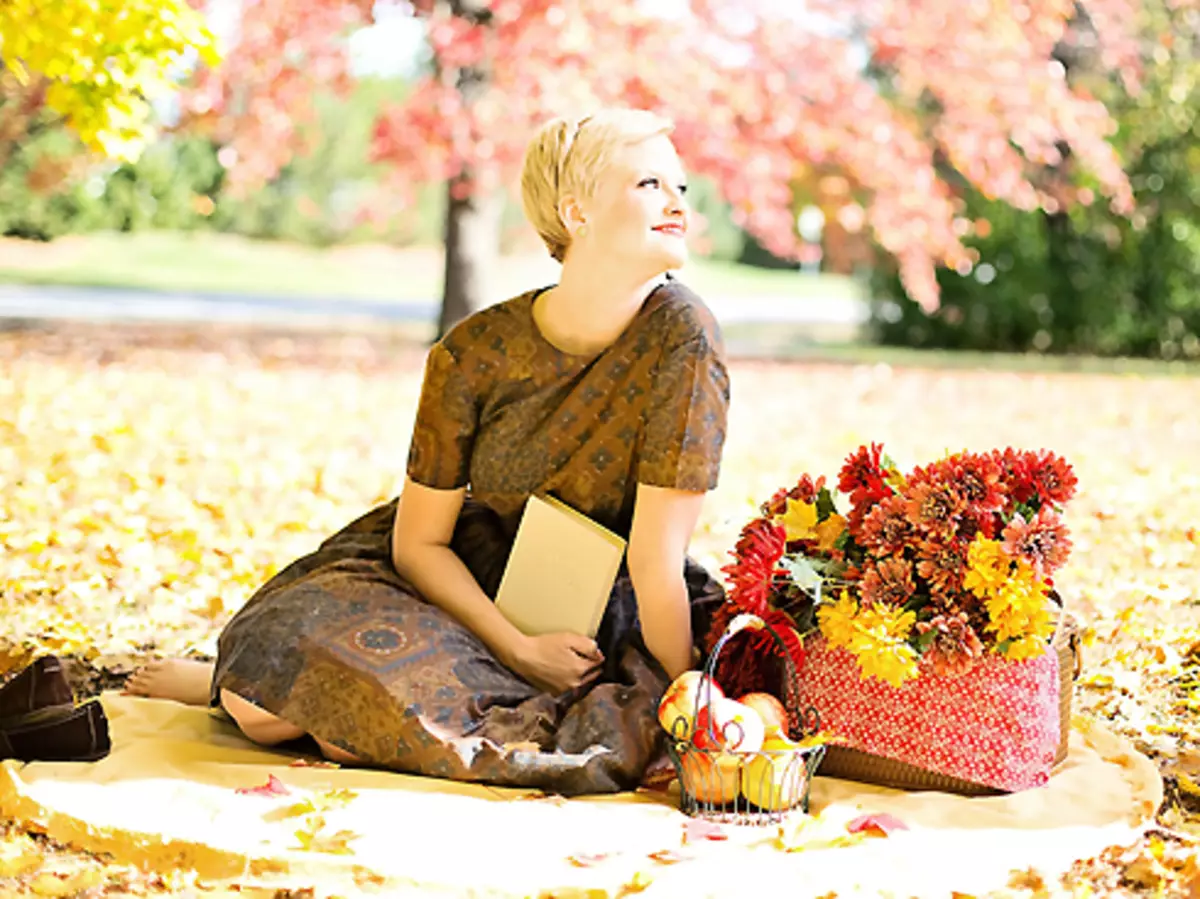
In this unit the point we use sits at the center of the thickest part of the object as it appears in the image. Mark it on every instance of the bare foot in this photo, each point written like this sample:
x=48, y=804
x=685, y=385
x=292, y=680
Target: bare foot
x=184, y=680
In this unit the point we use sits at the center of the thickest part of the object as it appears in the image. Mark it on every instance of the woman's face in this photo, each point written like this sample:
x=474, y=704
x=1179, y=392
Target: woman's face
x=639, y=216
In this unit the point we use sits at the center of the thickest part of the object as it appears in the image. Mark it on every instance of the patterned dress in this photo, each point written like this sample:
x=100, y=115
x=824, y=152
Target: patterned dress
x=342, y=646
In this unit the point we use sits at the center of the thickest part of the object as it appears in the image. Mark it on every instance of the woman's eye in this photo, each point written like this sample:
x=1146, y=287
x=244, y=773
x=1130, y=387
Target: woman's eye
x=648, y=182
x=683, y=188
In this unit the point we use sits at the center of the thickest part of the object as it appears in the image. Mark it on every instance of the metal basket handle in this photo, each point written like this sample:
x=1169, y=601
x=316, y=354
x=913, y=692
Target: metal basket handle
x=807, y=721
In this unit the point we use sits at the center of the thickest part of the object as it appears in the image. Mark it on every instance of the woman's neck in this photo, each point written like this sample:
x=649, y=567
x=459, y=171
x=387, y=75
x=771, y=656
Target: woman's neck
x=588, y=310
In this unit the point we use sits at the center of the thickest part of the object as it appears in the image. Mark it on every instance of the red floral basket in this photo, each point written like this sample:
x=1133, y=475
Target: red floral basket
x=924, y=623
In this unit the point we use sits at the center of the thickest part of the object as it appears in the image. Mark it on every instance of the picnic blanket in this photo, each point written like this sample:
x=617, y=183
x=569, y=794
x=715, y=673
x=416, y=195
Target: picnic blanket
x=179, y=791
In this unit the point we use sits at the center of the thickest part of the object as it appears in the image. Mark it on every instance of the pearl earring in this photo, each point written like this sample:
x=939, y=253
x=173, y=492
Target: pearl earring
x=581, y=232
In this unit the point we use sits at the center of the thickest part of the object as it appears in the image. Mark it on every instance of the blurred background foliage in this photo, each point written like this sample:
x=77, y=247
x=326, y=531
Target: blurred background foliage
x=1082, y=279
x=1087, y=280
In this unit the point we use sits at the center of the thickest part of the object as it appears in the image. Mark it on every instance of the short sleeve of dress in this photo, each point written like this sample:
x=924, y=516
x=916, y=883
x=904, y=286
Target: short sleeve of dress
x=444, y=432
x=684, y=431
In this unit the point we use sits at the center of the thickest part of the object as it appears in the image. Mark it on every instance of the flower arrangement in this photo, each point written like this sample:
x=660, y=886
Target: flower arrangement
x=929, y=569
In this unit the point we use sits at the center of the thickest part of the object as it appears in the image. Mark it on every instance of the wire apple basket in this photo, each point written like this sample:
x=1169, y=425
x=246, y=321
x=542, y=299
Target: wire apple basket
x=757, y=787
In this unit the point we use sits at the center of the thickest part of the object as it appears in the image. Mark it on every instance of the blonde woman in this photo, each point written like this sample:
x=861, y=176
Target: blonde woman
x=607, y=390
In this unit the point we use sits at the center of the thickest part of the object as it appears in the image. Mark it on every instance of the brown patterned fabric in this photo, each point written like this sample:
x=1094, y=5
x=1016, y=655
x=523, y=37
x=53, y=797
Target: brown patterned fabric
x=340, y=645
x=510, y=414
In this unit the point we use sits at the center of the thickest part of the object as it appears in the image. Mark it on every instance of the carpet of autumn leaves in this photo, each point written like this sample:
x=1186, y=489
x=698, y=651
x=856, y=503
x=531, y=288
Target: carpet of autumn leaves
x=150, y=478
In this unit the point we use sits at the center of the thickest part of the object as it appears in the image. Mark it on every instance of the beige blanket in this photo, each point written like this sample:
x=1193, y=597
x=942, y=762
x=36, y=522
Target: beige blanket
x=166, y=797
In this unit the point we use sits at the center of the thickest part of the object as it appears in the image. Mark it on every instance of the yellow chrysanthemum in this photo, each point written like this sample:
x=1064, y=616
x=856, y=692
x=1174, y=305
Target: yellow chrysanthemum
x=883, y=655
x=1019, y=609
x=837, y=620
x=895, y=622
x=988, y=567
x=879, y=644
x=1025, y=648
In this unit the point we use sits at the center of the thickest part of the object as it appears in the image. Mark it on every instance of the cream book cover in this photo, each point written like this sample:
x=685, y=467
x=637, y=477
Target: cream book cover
x=560, y=572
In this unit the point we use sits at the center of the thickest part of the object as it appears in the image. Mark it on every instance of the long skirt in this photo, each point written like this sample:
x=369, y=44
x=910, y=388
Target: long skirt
x=341, y=646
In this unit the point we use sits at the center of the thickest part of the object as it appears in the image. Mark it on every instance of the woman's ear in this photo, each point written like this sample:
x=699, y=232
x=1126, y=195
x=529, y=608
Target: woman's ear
x=571, y=211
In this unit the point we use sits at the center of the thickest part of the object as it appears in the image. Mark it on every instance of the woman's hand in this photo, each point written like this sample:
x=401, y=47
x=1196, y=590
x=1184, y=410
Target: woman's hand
x=558, y=662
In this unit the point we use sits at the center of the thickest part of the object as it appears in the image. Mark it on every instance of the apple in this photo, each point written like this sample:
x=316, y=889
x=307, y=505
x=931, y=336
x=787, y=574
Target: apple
x=677, y=708
x=769, y=709
x=711, y=777
x=775, y=778
x=727, y=724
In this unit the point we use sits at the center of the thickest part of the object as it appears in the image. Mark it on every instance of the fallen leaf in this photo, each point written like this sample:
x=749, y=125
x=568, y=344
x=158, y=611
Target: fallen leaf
x=314, y=838
x=696, y=829
x=670, y=856
x=809, y=833
x=588, y=859
x=1029, y=879
x=273, y=787
x=319, y=802
x=1187, y=785
x=636, y=884
x=881, y=825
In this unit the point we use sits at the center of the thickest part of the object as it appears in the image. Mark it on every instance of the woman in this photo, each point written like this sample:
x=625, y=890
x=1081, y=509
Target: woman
x=608, y=390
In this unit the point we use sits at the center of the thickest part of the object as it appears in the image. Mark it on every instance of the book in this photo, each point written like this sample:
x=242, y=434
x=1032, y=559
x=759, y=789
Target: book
x=561, y=570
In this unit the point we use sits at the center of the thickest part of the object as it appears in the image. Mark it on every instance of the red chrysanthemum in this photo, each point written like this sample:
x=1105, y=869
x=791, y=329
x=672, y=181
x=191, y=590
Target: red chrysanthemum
x=805, y=491
x=886, y=528
x=1015, y=479
x=757, y=554
x=1052, y=477
x=973, y=524
x=888, y=582
x=934, y=507
x=955, y=646
x=942, y=565
x=862, y=476
x=978, y=480
x=1042, y=542
x=751, y=662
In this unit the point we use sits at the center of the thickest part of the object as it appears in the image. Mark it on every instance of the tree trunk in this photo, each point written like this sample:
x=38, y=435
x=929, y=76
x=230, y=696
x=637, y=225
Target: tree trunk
x=472, y=211
x=472, y=250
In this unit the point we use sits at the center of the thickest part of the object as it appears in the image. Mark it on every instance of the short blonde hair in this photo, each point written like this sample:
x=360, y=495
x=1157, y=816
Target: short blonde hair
x=565, y=158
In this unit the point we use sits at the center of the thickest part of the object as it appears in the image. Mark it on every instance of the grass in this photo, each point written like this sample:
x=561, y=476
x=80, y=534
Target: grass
x=221, y=263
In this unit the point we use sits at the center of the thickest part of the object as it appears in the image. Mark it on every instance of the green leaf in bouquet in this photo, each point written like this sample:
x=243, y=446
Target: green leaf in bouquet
x=921, y=642
x=825, y=506
x=802, y=573
x=843, y=540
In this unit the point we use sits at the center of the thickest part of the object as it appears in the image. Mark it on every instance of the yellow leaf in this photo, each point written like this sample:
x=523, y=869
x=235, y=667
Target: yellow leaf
x=828, y=531
x=19, y=856
x=319, y=802
x=799, y=520
x=1187, y=785
x=313, y=838
x=638, y=883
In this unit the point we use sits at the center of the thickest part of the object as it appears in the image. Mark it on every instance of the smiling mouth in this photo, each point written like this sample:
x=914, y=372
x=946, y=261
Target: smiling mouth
x=677, y=230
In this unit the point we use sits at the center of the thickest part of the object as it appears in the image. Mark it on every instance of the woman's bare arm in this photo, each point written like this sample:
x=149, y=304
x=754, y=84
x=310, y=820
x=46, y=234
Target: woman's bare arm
x=663, y=522
x=425, y=520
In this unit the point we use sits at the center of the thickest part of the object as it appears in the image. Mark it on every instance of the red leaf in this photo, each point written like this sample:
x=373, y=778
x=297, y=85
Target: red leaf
x=698, y=829
x=273, y=787
x=880, y=825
